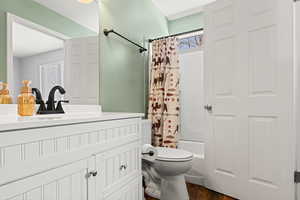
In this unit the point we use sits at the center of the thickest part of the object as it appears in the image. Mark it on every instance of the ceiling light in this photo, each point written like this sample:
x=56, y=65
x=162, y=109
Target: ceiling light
x=85, y=1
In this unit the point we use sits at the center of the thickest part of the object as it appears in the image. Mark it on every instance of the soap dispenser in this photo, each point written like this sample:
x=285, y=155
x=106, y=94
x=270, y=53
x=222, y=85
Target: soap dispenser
x=26, y=100
x=5, y=98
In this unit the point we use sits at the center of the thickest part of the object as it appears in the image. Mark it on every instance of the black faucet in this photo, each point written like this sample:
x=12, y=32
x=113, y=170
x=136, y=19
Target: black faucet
x=38, y=95
x=50, y=109
x=39, y=100
x=51, y=100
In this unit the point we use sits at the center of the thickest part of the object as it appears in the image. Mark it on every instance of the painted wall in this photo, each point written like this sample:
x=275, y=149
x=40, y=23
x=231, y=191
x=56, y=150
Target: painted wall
x=123, y=68
x=187, y=23
x=39, y=14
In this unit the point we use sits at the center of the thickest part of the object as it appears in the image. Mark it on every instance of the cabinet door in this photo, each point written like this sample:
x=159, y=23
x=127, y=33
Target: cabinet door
x=132, y=191
x=65, y=183
x=116, y=167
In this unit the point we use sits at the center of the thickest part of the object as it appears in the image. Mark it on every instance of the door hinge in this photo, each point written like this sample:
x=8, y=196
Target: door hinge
x=297, y=177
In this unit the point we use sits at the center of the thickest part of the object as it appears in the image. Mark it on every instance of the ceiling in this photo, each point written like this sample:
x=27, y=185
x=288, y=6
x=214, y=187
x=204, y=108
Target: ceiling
x=29, y=42
x=84, y=14
x=174, y=9
x=88, y=14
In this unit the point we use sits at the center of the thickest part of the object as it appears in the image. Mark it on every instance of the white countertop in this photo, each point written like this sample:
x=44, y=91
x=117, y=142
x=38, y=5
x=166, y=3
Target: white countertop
x=9, y=122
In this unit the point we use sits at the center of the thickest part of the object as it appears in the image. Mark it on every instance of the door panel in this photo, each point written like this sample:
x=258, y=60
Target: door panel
x=249, y=69
x=82, y=70
x=222, y=86
x=268, y=42
x=51, y=75
x=64, y=183
x=297, y=87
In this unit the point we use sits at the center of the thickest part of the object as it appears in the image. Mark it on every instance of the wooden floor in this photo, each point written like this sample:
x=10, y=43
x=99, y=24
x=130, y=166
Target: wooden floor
x=201, y=193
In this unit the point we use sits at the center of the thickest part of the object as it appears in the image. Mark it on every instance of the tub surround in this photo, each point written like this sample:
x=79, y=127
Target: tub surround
x=62, y=154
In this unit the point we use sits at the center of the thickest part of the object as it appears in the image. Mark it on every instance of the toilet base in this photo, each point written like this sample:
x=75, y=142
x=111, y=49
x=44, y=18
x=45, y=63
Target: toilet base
x=174, y=188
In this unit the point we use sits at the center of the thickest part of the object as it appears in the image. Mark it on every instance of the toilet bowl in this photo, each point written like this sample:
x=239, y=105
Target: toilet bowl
x=171, y=165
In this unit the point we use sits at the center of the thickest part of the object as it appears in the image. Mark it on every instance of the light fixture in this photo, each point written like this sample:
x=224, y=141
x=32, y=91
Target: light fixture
x=85, y=1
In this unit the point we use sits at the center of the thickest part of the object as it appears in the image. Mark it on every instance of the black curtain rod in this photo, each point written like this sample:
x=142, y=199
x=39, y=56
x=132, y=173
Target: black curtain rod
x=107, y=32
x=178, y=34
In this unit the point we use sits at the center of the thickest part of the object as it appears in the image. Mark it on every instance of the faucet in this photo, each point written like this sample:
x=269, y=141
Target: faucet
x=50, y=108
x=51, y=101
x=39, y=100
x=38, y=95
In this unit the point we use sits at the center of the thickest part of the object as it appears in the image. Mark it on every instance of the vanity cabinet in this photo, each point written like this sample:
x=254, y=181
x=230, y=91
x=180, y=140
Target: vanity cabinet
x=84, y=161
x=64, y=183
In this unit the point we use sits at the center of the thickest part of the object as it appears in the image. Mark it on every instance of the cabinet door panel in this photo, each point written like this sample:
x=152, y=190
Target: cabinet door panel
x=65, y=183
x=116, y=167
x=131, y=191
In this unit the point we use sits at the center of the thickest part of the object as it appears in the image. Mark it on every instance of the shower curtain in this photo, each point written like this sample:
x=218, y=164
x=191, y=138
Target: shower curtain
x=164, y=93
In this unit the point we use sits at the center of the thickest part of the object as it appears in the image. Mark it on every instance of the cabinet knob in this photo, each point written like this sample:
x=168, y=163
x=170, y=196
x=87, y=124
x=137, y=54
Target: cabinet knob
x=123, y=167
x=209, y=108
x=92, y=173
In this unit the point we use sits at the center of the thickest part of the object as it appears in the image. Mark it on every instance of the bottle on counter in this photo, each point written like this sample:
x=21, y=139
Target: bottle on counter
x=26, y=100
x=5, y=98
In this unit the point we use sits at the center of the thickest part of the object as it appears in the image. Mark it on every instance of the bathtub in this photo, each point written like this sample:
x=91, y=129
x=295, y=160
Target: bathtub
x=197, y=174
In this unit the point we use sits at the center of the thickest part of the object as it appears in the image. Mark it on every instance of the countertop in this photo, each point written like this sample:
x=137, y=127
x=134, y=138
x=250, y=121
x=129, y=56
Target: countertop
x=14, y=122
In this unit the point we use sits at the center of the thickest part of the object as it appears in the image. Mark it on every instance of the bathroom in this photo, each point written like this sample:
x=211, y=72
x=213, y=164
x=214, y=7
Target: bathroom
x=84, y=112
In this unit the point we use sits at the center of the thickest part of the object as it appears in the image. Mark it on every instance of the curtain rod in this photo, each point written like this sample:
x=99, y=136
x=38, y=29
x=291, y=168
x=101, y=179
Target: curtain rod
x=107, y=32
x=178, y=34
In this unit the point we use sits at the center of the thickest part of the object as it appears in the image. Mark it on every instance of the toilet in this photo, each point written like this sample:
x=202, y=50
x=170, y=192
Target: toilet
x=166, y=174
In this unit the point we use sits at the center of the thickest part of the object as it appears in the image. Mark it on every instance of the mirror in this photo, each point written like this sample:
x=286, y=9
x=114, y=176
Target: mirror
x=61, y=50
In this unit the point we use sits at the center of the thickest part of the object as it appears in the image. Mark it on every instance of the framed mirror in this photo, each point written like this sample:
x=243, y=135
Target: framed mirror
x=59, y=47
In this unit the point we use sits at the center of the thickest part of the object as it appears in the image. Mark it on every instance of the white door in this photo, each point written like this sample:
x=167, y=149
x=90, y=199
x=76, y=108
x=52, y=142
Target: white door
x=297, y=88
x=82, y=70
x=51, y=75
x=249, y=72
x=65, y=183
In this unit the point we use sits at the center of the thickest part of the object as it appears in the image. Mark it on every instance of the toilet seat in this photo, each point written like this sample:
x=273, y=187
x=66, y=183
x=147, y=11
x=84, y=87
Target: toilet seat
x=173, y=155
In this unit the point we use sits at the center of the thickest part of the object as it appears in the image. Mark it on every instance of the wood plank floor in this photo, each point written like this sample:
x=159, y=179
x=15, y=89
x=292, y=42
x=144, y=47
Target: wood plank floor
x=200, y=193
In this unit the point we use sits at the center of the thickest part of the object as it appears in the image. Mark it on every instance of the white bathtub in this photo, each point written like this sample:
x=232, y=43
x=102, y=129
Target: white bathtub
x=197, y=174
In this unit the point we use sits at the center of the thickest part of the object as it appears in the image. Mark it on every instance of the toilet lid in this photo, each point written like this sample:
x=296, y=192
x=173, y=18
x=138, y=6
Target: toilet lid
x=168, y=154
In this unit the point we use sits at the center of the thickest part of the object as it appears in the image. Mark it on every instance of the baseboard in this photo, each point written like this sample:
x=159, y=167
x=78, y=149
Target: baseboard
x=196, y=180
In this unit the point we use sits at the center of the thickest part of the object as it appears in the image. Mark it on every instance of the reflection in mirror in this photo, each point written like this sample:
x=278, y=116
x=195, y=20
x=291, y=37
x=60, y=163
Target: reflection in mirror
x=38, y=57
x=49, y=58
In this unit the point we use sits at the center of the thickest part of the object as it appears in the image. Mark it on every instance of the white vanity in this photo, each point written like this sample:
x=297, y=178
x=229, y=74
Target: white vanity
x=82, y=155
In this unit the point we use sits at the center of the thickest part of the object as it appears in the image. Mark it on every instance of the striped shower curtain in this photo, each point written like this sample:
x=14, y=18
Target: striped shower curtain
x=164, y=102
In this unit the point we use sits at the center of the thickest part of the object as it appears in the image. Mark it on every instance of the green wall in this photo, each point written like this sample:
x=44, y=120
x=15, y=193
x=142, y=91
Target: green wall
x=39, y=14
x=188, y=23
x=123, y=68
